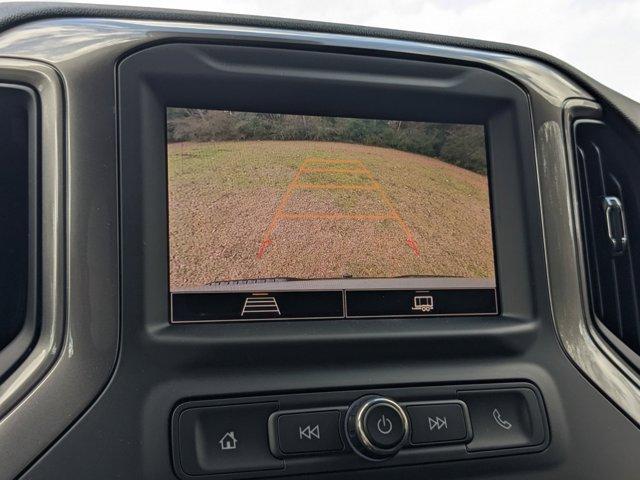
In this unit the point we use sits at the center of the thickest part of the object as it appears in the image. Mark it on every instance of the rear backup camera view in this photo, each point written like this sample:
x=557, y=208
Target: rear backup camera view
x=264, y=196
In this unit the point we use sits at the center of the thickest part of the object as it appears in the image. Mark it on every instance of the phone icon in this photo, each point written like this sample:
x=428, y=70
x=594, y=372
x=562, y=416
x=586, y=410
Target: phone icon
x=497, y=416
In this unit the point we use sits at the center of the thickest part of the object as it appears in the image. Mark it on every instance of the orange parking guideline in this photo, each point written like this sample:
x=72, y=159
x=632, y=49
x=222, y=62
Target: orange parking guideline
x=405, y=228
x=281, y=214
x=266, y=238
x=336, y=186
x=335, y=216
x=332, y=170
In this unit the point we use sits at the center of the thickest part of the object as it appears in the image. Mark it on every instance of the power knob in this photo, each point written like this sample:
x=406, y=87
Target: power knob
x=376, y=427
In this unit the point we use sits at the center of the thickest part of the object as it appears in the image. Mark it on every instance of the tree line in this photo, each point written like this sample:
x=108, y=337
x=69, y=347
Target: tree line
x=461, y=145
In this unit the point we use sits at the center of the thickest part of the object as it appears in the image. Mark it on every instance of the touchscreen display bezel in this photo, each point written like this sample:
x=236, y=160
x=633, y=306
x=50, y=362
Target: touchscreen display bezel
x=260, y=78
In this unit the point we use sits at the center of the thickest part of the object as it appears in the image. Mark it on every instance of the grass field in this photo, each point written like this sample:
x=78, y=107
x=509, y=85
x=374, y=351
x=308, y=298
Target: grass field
x=223, y=197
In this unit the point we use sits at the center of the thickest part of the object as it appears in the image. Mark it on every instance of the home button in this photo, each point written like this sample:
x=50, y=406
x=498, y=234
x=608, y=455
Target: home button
x=226, y=439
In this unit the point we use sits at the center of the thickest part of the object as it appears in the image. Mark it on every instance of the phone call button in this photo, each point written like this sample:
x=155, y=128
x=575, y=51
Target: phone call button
x=504, y=418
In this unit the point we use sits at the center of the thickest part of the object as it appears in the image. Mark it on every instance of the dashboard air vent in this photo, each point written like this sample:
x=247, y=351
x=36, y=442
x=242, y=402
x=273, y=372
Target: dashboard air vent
x=17, y=150
x=608, y=172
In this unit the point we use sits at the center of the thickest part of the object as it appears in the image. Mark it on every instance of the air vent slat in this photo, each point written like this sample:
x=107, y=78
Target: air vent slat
x=607, y=170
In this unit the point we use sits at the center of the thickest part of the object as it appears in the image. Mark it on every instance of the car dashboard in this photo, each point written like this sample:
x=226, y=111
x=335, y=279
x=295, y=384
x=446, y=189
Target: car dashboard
x=117, y=369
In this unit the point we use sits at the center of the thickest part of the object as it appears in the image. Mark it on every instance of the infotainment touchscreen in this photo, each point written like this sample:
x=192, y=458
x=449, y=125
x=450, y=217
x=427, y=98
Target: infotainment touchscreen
x=290, y=217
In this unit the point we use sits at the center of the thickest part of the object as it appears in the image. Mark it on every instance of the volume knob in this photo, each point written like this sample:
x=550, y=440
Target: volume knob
x=376, y=427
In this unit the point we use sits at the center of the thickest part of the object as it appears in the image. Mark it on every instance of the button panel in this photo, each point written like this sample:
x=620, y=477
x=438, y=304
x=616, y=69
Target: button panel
x=304, y=433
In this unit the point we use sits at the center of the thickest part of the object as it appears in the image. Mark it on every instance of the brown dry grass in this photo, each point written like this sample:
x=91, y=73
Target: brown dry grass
x=222, y=197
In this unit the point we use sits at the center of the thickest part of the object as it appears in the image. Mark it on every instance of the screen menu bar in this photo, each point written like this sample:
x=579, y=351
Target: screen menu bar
x=330, y=304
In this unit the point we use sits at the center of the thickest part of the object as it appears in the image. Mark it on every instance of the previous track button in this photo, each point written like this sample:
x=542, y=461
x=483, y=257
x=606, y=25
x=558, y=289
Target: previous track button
x=309, y=432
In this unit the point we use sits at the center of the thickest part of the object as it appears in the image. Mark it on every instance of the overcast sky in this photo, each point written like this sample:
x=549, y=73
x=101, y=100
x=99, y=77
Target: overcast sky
x=600, y=37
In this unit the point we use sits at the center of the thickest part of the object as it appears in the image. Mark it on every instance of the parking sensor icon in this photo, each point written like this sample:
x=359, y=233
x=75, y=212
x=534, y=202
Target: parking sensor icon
x=260, y=303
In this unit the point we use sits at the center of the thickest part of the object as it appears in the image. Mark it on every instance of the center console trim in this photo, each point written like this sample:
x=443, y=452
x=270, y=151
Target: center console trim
x=346, y=459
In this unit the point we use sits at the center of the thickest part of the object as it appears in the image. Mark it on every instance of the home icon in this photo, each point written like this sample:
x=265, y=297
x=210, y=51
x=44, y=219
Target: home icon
x=228, y=441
